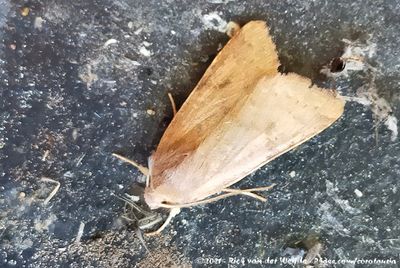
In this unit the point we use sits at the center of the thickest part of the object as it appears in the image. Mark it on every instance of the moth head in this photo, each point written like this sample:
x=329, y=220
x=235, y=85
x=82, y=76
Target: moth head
x=154, y=199
x=160, y=196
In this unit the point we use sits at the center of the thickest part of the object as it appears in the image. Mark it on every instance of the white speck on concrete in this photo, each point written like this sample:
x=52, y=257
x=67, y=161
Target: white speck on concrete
x=151, y=112
x=359, y=50
x=214, y=21
x=144, y=51
x=80, y=233
x=38, y=23
x=358, y=193
x=391, y=124
x=12, y=262
x=88, y=76
x=329, y=221
x=138, y=31
x=368, y=95
x=110, y=42
x=362, y=101
x=331, y=191
x=44, y=225
x=75, y=134
x=68, y=174
x=292, y=173
x=146, y=44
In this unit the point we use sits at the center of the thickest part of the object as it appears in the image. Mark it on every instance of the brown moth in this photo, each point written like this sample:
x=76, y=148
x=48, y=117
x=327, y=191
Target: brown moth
x=241, y=115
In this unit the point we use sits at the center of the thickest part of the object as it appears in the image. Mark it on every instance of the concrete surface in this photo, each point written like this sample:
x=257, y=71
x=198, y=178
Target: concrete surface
x=77, y=79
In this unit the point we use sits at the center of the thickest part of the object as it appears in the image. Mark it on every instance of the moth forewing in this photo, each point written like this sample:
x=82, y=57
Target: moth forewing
x=241, y=115
x=248, y=56
x=281, y=112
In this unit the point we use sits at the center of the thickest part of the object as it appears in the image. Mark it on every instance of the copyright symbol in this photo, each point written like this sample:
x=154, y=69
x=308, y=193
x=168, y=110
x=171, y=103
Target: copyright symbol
x=199, y=260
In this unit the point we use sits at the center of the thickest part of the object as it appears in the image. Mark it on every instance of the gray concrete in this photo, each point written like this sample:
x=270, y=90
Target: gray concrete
x=77, y=79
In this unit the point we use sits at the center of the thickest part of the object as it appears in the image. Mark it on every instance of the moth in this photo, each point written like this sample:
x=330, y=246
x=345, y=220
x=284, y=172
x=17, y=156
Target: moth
x=242, y=114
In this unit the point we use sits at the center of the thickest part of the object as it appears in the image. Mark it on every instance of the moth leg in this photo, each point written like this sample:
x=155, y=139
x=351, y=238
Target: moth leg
x=201, y=202
x=149, y=221
x=229, y=192
x=249, y=192
x=257, y=189
x=238, y=191
x=172, y=213
x=142, y=169
x=140, y=236
x=171, y=99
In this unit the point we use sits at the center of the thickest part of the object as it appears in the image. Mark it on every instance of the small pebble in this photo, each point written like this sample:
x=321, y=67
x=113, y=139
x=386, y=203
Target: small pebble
x=292, y=173
x=138, y=31
x=151, y=112
x=110, y=42
x=38, y=23
x=358, y=193
x=25, y=11
x=145, y=52
x=146, y=44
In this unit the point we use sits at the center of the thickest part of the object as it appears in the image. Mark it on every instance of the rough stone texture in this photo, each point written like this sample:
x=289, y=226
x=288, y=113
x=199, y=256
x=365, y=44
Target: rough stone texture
x=77, y=79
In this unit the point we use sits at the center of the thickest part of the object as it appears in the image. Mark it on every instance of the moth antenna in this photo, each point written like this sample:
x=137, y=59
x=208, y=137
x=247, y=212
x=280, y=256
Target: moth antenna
x=147, y=180
x=150, y=165
x=172, y=213
x=142, y=169
x=230, y=192
x=171, y=99
x=150, y=224
x=133, y=205
x=140, y=236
